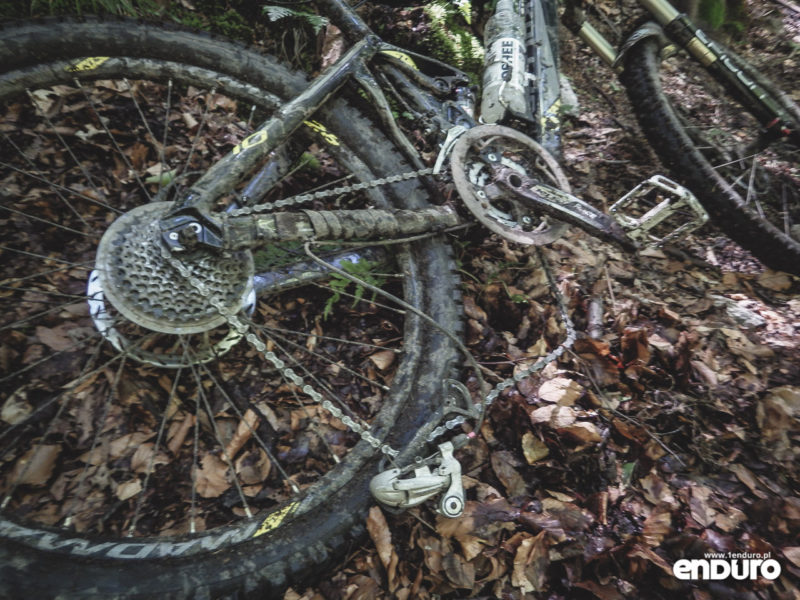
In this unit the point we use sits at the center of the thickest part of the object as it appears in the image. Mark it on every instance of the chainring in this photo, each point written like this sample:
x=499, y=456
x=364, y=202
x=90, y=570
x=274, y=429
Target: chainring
x=471, y=165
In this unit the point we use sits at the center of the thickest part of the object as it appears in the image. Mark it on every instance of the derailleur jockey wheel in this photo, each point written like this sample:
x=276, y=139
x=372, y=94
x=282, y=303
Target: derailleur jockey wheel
x=475, y=156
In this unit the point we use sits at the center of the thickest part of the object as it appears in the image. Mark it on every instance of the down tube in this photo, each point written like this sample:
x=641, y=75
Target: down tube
x=223, y=176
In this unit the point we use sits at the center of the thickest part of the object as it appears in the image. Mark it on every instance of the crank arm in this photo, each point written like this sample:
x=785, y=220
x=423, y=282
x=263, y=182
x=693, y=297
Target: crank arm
x=560, y=205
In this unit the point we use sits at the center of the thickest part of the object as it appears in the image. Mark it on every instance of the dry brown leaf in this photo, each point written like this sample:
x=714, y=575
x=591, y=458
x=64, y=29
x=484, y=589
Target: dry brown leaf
x=56, y=338
x=584, y=432
x=16, y=408
x=383, y=359
x=244, y=431
x=253, y=467
x=657, y=526
x=555, y=415
x=777, y=416
x=656, y=491
x=777, y=281
x=746, y=476
x=127, y=444
x=128, y=489
x=382, y=538
x=36, y=465
x=212, y=479
x=533, y=448
x=608, y=591
x=460, y=572
x=503, y=463
x=530, y=564
x=141, y=459
x=178, y=430
x=561, y=390
x=792, y=554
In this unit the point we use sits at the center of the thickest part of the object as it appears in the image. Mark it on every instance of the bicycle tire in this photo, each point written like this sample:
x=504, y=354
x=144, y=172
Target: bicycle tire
x=666, y=129
x=296, y=539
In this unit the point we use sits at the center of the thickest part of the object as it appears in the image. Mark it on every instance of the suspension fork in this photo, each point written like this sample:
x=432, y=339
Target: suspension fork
x=192, y=210
x=767, y=109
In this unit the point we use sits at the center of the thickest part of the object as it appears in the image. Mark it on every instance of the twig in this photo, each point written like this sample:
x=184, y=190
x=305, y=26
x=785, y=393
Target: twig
x=789, y=5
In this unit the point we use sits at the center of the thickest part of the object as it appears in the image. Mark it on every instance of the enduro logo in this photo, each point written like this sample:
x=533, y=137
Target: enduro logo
x=739, y=565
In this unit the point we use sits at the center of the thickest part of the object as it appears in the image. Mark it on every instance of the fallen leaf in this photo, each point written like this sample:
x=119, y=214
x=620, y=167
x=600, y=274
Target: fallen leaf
x=460, y=572
x=503, y=463
x=212, y=480
x=792, y=554
x=383, y=359
x=561, y=390
x=244, y=431
x=584, y=432
x=36, y=466
x=128, y=489
x=530, y=564
x=382, y=538
x=533, y=448
x=16, y=408
x=555, y=415
x=657, y=525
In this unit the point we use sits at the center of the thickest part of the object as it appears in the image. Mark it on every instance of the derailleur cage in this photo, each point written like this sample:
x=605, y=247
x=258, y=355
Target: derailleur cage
x=392, y=490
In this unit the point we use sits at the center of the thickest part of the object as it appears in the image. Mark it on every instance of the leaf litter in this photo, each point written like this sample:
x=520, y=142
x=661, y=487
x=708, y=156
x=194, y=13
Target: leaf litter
x=672, y=431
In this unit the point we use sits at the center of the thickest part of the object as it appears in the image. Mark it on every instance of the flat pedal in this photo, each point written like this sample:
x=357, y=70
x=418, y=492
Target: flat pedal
x=649, y=212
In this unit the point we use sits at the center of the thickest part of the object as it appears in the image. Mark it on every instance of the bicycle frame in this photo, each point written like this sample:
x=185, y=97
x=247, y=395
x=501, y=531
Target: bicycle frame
x=443, y=99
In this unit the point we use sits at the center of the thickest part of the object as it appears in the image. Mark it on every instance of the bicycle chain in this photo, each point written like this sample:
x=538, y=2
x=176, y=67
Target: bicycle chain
x=244, y=329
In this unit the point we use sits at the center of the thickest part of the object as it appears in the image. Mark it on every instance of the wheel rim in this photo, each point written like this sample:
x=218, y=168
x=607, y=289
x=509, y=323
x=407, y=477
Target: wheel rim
x=764, y=173
x=89, y=428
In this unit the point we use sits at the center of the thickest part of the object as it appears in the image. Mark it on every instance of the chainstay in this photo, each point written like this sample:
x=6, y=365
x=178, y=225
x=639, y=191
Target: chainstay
x=243, y=329
x=322, y=194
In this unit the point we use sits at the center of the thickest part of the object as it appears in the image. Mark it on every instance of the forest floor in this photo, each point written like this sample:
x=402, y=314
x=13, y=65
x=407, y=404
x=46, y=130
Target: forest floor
x=670, y=430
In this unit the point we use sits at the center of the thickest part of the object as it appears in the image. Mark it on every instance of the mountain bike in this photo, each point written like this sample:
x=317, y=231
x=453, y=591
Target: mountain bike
x=229, y=305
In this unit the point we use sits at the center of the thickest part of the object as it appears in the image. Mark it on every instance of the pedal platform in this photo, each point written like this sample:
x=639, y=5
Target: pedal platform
x=649, y=211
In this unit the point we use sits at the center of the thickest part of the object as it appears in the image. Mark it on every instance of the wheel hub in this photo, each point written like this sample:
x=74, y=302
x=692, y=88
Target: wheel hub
x=145, y=288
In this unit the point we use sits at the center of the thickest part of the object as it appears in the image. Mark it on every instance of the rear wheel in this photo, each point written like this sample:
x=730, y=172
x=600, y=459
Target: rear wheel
x=146, y=449
x=748, y=182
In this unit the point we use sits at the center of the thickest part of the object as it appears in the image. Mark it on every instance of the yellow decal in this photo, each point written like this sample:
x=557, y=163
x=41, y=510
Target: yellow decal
x=551, y=118
x=323, y=132
x=259, y=137
x=88, y=64
x=403, y=57
x=274, y=519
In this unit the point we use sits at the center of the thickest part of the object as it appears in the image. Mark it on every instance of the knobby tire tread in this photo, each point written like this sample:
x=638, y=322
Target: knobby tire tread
x=299, y=550
x=667, y=136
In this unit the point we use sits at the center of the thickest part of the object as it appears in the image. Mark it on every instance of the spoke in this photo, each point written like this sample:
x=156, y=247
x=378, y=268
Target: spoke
x=42, y=291
x=331, y=394
x=61, y=187
x=254, y=433
x=161, y=156
x=95, y=441
x=326, y=337
x=55, y=188
x=75, y=346
x=197, y=134
x=68, y=388
x=110, y=135
x=151, y=463
x=44, y=257
x=51, y=223
x=66, y=146
x=201, y=392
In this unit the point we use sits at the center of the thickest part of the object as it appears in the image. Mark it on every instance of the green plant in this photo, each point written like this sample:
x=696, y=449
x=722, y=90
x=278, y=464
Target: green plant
x=364, y=270
x=278, y=13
